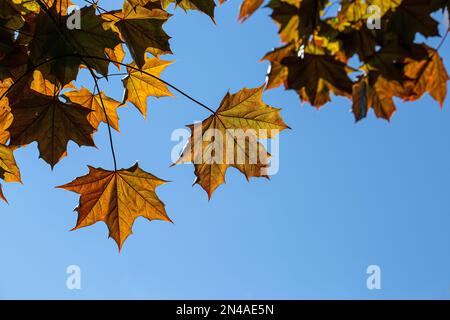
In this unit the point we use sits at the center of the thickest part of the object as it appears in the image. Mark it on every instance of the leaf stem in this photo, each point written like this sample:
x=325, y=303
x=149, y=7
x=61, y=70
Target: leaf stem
x=111, y=143
x=96, y=78
x=153, y=76
x=146, y=73
x=443, y=40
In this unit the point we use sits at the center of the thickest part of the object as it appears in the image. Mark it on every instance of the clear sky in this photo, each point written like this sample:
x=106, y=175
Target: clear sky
x=347, y=195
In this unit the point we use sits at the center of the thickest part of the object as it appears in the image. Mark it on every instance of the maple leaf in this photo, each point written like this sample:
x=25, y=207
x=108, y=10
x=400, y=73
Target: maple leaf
x=297, y=19
x=429, y=75
x=9, y=171
x=388, y=61
x=314, y=76
x=6, y=119
x=140, y=2
x=38, y=83
x=361, y=41
x=52, y=123
x=8, y=166
x=140, y=84
x=25, y=82
x=5, y=111
x=212, y=153
x=117, y=198
x=205, y=6
x=21, y=7
x=40, y=57
x=353, y=11
x=378, y=96
x=248, y=7
x=61, y=6
x=95, y=102
x=55, y=42
x=141, y=27
x=116, y=55
x=411, y=17
x=5, y=114
x=278, y=72
x=385, y=5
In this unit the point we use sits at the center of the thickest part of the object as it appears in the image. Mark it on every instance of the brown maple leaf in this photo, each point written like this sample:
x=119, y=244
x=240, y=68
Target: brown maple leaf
x=117, y=198
x=429, y=75
x=314, y=76
x=52, y=123
x=220, y=141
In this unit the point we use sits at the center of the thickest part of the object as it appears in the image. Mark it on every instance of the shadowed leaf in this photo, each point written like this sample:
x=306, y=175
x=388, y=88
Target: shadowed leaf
x=51, y=123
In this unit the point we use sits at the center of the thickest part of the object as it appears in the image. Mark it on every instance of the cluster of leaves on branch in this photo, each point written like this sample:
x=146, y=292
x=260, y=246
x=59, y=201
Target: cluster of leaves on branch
x=340, y=53
x=41, y=57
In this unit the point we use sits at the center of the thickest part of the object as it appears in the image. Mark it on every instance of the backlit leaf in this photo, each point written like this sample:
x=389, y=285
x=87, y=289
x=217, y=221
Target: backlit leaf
x=215, y=147
x=429, y=75
x=142, y=30
x=248, y=7
x=51, y=123
x=141, y=84
x=95, y=102
x=117, y=198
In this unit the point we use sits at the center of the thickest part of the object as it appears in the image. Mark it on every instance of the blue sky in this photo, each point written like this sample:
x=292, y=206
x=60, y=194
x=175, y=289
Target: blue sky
x=347, y=195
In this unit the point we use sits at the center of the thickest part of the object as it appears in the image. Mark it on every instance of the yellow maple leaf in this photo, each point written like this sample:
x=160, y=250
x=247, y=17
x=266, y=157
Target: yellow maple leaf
x=141, y=84
x=94, y=102
x=6, y=117
x=8, y=167
x=44, y=86
x=9, y=171
x=116, y=55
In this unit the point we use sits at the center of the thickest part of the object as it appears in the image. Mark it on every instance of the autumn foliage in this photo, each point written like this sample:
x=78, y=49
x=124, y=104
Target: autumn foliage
x=328, y=47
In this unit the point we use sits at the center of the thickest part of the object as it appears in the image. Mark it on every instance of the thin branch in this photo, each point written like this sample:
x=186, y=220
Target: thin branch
x=442, y=41
x=149, y=74
x=123, y=19
x=153, y=76
x=83, y=57
x=31, y=69
x=429, y=58
x=94, y=77
x=111, y=143
x=113, y=75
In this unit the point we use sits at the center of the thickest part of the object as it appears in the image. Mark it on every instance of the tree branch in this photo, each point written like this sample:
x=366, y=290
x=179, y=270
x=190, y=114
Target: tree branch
x=111, y=143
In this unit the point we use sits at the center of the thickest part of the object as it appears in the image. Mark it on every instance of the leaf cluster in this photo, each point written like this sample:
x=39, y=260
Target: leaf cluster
x=326, y=50
x=41, y=58
x=338, y=47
